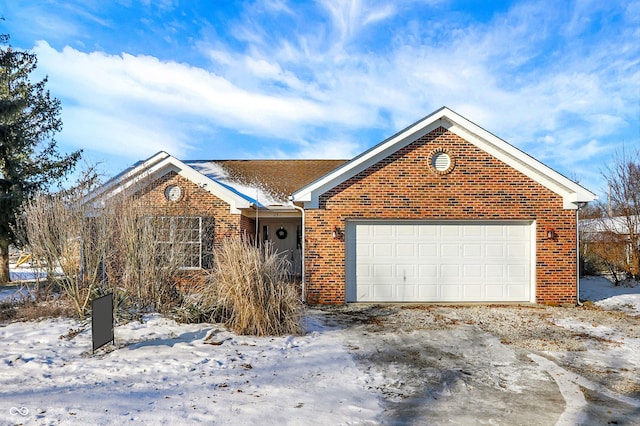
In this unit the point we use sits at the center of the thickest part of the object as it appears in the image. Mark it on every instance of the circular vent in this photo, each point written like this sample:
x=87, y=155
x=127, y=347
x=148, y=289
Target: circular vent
x=441, y=161
x=173, y=193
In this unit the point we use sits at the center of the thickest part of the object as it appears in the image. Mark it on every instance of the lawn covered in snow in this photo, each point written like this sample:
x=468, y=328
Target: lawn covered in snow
x=161, y=372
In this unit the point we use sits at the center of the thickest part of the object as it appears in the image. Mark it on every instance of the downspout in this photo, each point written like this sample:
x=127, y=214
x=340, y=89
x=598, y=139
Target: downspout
x=303, y=286
x=256, y=239
x=580, y=205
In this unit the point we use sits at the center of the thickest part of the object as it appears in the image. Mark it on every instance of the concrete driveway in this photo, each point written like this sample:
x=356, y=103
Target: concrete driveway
x=506, y=365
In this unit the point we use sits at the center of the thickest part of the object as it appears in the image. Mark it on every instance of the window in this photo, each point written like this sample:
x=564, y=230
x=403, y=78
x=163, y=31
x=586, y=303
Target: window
x=179, y=240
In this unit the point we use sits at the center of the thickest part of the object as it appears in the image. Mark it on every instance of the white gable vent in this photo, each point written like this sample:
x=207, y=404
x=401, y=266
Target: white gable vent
x=441, y=161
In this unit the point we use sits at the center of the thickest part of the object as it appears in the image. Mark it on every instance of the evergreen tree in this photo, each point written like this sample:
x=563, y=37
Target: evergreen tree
x=29, y=160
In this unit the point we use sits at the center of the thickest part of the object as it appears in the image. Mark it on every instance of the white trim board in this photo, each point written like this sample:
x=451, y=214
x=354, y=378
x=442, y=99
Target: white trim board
x=572, y=193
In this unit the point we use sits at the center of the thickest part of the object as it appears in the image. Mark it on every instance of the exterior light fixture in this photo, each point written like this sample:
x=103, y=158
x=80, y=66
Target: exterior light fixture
x=337, y=233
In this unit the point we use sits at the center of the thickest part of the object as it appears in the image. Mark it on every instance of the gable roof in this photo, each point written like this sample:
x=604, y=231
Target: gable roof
x=242, y=184
x=159, y=165
x=618, y=225
x=282, y=177
x=572, y=193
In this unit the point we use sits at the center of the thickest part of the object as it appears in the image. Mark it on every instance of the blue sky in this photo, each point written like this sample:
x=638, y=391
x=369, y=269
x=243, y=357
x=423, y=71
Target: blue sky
x=329, y=79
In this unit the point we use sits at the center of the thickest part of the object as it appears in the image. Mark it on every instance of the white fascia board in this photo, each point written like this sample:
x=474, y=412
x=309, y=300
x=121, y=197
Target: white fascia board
x=310, y=194
x=160, y=165
x=572, y=193
x=124, y=179
x=236, y=202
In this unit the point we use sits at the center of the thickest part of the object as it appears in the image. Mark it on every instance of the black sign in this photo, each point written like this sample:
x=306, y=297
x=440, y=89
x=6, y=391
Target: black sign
x=102, y=321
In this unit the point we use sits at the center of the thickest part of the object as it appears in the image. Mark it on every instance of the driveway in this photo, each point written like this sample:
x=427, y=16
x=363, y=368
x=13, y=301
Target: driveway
x=509, y=365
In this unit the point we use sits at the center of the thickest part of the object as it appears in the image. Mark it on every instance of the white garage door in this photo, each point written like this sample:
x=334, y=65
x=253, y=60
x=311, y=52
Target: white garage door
x=409, y=261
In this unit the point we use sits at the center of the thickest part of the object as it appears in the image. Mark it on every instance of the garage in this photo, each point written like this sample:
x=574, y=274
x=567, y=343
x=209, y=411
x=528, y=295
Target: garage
x=439, y=261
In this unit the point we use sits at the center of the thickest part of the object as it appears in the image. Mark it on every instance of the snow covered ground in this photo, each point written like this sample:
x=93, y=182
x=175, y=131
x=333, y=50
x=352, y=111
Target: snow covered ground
x=161, y=372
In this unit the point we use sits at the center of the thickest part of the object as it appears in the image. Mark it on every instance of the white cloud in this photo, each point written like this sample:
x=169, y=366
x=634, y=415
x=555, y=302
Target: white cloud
x=120, y=134
x=512, y=75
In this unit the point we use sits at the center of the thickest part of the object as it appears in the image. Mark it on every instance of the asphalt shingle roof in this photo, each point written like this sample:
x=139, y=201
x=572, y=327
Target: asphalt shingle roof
x=281, y=176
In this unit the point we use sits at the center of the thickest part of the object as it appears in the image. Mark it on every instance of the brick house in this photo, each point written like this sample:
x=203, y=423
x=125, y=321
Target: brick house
x=442, y=211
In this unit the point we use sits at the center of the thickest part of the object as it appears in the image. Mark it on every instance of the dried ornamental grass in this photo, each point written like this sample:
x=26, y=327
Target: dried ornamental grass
x=254, y=294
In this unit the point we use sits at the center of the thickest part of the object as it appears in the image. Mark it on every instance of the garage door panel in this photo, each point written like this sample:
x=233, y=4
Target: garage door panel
x=494, y=292
x=427, y=250
x=364, y=292
x=472, y=231
x=494, y=250
x=450, y=293
x=428, y=292
x=407, y=292
x=472, y=271
x=396, y=261
x=472, y=291
x=382, y=250
x=450, y=250
x=405, y=250
x=382, y=272
x=494, y=232
x=494, y=271
x=517, y=272
x=364, y=250
x=516, y=231
x=427, y=231
x=383, y=292
x=450, y=231
x=382, y=231
x=449, y=271
x=516, y=250
x=364, y=271
x=426, y=272
x=405, y=231
x=472, y=250
x=363, y=232
x=406, y=272
x=515, y=291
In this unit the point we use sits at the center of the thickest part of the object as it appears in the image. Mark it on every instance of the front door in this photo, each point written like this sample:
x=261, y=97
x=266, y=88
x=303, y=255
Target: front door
x=286, y=237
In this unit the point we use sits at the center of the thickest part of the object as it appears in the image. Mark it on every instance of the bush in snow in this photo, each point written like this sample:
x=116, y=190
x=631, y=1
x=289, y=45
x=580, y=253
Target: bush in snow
x=249, y=290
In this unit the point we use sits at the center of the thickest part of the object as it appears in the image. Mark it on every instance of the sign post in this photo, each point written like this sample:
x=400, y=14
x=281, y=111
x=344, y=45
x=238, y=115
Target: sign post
x=102, y=321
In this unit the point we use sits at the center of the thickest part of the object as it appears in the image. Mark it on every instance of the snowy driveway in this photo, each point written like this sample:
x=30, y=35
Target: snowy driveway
x=497, y=365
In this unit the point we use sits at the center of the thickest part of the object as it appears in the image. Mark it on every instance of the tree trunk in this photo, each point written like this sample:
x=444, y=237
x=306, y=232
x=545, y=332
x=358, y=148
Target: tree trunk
x=4, y=261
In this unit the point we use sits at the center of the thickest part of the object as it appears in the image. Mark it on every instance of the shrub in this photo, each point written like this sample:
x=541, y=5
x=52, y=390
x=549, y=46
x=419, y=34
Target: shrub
x=249, y=291
x=91, y=251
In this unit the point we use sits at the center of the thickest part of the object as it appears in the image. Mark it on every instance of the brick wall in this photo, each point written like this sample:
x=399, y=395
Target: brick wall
x=194, y=201
x=479, y=187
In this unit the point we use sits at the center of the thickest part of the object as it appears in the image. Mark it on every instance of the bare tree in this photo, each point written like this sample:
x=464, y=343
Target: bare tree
x=613, y=233
x=126, y=246
x=62, y=234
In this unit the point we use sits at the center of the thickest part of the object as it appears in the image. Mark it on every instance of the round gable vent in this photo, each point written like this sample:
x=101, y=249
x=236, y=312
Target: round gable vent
x=173, y=193
x=441, y=161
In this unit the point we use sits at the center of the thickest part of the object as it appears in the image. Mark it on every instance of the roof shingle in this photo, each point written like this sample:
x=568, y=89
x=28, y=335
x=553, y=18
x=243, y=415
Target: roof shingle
x=281, y=176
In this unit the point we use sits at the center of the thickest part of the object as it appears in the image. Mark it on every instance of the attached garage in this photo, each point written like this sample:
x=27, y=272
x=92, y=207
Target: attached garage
x=442, y=211
x=439, y=261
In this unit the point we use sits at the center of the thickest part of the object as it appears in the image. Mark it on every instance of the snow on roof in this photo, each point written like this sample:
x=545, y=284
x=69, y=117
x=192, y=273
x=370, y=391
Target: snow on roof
x=254, y=192
x=617, y=224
